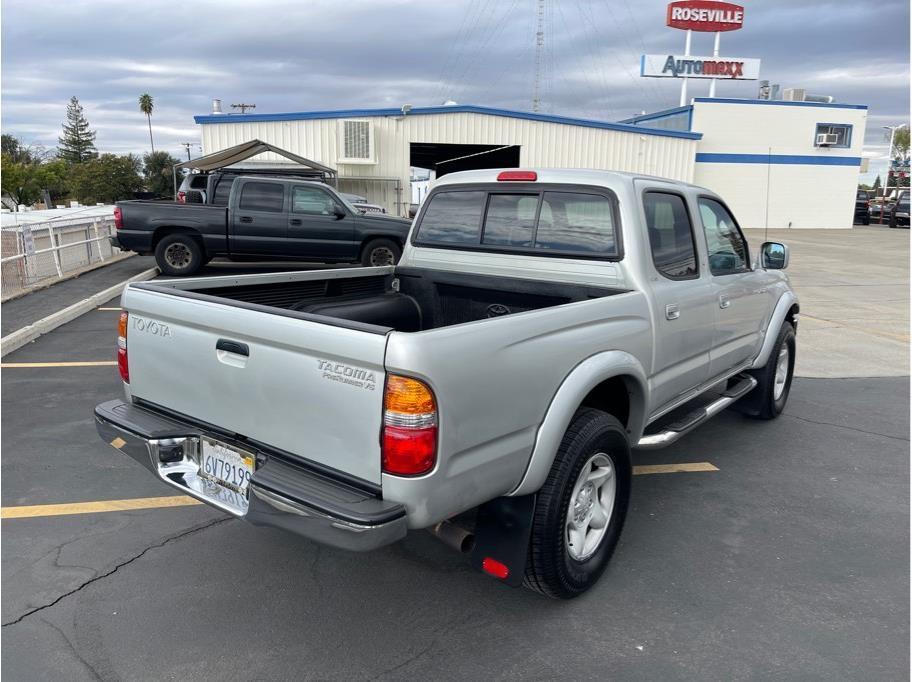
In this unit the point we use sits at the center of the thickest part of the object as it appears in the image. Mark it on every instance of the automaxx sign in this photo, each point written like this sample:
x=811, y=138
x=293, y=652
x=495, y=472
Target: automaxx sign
x=687, y=66
x=705, y=15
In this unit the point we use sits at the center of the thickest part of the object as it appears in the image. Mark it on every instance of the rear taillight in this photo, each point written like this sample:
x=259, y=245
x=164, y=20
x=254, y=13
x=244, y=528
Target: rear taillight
x=409, y=439
x=182, y=197
x=122, y=363
x=118, y=217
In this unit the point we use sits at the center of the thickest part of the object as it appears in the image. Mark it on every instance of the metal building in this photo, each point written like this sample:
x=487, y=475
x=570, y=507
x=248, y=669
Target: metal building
x=777, y=163
x=373, y=150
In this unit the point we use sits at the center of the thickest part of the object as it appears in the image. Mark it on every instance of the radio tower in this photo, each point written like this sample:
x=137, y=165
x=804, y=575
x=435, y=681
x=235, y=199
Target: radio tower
x=539, y=49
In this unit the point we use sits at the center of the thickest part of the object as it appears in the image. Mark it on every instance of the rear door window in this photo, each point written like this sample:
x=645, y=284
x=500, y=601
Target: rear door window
x=452, y=218
x=262, y=196
x=670, y=235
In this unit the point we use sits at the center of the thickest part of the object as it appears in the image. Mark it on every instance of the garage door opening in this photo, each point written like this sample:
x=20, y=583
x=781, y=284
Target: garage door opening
x=449, y=158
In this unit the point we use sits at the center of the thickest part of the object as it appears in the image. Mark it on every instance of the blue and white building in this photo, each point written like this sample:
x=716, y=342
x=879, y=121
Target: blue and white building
x=777, y=163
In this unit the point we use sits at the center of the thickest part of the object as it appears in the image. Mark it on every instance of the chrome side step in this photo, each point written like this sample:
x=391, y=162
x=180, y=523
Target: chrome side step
x=689, y=422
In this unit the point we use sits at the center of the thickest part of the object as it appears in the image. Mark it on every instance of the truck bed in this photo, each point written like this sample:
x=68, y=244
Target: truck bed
x=387, y=299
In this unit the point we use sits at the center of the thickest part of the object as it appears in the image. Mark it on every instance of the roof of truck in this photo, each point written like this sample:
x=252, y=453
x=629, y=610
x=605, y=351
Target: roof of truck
x=586, y=176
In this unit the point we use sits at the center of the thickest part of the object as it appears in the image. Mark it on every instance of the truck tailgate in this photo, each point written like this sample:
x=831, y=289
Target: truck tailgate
x=311, y=389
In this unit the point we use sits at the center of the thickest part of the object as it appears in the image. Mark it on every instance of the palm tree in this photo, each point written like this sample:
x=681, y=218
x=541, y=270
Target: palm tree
x=145, y=106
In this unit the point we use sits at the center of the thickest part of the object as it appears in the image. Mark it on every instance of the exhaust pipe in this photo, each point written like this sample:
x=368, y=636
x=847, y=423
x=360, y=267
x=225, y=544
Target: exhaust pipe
x=454, y=536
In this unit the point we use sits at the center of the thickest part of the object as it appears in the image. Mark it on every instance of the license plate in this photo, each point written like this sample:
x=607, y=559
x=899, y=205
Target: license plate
x=226, y=466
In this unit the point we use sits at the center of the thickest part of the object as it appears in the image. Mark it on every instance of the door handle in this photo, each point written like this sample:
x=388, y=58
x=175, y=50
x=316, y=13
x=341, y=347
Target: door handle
x=672, y=311
x=724, y=301
x=246, y=219
x=235, y=347
x=295, y=221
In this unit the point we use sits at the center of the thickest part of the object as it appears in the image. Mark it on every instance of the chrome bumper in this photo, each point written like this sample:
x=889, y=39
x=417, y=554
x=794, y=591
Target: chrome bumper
x=281, y=494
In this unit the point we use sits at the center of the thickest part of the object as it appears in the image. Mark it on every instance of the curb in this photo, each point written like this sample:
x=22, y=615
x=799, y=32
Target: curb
x=29, y=333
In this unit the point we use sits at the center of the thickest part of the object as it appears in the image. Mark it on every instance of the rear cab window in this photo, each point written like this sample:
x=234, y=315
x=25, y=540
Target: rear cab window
x=556, y=221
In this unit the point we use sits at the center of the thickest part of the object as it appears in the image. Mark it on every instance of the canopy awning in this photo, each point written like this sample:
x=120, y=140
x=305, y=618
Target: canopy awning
x=244, y=151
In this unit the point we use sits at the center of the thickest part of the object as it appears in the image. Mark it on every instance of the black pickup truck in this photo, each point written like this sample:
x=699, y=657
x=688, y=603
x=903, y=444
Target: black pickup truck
x=265, y=219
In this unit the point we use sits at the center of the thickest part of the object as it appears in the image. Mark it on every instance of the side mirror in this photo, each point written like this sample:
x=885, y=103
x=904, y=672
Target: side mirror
x=339, y=212
x=774, y=256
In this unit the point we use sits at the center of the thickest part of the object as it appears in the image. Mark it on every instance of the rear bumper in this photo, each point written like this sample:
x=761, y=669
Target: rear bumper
x=281, y=494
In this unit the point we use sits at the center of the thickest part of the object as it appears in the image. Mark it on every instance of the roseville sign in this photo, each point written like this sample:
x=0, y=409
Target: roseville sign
x=705, y=15
x=685, y=66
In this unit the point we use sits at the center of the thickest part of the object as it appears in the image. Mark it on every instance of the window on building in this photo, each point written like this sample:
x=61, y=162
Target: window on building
x=262, y=196
x=670, y=235
x=724, y=241
x=833, y=135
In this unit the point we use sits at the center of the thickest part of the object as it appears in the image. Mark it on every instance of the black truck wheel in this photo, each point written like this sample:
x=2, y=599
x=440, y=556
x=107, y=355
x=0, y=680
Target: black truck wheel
x=179, y=255
x=581, y=507
x=774, y=382
x=379, y=252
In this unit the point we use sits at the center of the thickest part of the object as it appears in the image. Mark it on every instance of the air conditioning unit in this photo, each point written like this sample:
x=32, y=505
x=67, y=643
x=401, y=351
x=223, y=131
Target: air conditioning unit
x=356, y=141
x=827, y=139
x=793, y=94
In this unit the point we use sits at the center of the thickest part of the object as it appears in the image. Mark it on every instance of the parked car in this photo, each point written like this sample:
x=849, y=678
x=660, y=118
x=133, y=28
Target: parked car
x=489, y=388
x=879, y=205
x=362, y=204
x=899, y=214
x=265, y=218
x=862, y=208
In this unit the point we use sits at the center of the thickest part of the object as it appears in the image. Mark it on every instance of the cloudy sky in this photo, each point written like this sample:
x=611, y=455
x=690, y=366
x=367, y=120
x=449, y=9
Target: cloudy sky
x=296, y=55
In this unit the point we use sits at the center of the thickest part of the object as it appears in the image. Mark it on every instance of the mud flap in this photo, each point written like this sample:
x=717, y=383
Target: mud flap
x=502, y=532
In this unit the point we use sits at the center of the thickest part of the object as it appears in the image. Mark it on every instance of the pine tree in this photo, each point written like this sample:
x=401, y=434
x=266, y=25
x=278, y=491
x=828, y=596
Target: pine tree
x=77, y=144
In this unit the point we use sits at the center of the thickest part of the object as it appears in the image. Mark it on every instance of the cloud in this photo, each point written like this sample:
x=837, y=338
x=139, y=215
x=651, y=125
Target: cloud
x=287, y=55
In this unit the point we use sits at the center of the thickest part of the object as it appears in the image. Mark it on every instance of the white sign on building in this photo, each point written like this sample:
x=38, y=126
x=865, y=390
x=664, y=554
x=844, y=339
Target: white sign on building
x=689, y=66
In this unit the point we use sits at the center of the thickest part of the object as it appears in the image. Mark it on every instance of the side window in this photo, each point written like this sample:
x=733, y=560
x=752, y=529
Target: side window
x=452, y=218
x=311, y=200
x=510, y=220
x=727, y=248
x=670, y=235
x=262, y=196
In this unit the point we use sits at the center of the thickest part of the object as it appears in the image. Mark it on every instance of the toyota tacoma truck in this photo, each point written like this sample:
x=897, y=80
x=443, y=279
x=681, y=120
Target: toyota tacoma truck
x=258, y=218
x=491, y=387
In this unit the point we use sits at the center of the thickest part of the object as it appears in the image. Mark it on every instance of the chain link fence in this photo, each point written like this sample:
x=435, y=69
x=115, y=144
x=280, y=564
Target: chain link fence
x=40, y=253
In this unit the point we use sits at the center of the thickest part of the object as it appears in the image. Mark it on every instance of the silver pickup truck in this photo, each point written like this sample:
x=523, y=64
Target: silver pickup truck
x=490, y=387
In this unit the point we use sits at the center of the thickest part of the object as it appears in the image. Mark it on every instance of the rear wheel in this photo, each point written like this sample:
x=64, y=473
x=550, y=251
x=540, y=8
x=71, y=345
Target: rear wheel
x=378, y=252
x=580, y=509
x=178, y=255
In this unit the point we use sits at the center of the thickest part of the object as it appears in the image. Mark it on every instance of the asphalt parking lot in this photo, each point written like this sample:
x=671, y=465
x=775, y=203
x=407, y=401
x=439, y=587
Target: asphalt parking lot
x=780, y=551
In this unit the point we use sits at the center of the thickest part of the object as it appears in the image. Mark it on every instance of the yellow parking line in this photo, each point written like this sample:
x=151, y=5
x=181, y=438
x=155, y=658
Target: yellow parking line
x=683, y=467
x=107, y=308
x=32, y=511
x=23, y=365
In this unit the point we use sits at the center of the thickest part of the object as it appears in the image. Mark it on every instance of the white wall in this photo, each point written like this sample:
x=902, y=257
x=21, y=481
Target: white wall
x=543, y=144
x=779, y=195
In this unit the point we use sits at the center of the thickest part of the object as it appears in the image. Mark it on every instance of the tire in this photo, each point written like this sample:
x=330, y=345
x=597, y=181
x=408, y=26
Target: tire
x=379, y=252
x=179, y=255
x=768, y=399
x=865, y=221
x=594, y=441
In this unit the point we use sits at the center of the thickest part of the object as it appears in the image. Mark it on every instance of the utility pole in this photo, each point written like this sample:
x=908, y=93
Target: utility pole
x=886, y=190
x=187, y=145
x=539, y=48
x=243, y=107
